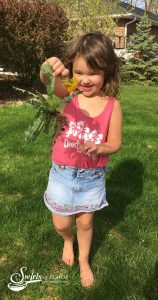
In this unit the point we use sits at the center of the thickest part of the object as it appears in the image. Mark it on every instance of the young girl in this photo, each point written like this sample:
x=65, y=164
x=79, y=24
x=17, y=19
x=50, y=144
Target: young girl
x=76, y=184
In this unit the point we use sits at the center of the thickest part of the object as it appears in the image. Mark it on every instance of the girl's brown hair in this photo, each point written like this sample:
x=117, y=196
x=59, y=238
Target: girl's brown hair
x=98, y=52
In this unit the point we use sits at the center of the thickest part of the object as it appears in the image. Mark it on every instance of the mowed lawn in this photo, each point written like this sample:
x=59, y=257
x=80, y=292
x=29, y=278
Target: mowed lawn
x=124, y=249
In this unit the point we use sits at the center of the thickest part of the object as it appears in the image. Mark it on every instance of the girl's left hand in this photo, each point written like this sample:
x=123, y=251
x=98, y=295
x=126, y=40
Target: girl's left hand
x=89, y=147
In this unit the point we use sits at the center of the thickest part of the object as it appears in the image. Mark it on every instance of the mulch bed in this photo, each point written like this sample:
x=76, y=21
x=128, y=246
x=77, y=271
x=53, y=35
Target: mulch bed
x=8, y=95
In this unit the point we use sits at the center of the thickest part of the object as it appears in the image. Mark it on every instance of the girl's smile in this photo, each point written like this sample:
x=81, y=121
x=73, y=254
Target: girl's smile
x=89, y=81
x=86, y=88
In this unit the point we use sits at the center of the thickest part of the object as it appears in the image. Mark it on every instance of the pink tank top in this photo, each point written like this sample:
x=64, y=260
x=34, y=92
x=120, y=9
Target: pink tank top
x=80, y=129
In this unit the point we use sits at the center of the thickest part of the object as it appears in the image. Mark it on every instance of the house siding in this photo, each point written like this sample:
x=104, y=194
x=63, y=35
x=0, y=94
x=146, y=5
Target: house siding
x=119, y=32
x=154, y=31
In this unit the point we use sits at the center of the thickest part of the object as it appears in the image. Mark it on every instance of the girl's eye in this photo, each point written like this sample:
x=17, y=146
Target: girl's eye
x=78, y=73
x=95, y=74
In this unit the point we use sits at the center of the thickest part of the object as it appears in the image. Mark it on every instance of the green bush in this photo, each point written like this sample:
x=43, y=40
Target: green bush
x=29, y=32
x=137, y=70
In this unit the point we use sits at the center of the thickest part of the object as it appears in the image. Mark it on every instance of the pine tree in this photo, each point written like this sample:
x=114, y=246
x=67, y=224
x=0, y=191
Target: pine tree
x=142, y=40
x=144, y=65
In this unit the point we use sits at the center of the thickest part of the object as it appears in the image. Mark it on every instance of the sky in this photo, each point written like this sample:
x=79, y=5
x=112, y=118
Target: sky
x=139, y=3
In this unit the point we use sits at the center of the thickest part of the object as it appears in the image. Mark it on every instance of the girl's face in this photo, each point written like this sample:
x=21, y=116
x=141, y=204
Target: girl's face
x=89, y=81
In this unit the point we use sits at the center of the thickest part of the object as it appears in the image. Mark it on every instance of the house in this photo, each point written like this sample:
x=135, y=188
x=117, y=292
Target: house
x=127, y=17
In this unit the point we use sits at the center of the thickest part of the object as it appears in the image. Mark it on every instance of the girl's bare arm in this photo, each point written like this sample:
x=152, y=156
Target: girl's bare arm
x=114, y=139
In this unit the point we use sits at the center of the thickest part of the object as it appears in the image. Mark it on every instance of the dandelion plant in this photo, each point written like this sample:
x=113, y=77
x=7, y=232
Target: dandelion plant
x=48, y=117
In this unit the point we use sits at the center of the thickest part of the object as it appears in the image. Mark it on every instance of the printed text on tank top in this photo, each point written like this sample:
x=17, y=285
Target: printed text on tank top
x=81, y=128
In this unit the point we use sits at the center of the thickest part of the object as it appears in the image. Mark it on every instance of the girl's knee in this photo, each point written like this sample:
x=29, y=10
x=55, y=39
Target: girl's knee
x=84, y=223
x=61, y=223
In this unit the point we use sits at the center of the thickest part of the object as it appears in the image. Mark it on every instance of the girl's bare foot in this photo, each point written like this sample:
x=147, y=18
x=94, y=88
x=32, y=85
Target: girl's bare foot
x=86, y=274
x=68, y=252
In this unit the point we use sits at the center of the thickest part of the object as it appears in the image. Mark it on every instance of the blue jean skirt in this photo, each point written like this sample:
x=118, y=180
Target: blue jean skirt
x=72, y=190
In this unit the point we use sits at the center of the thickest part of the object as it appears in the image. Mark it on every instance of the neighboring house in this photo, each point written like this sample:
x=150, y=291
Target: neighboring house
x=127, y=17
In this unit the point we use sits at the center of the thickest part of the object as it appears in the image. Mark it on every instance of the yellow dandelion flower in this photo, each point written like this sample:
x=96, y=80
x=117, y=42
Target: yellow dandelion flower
x=70, y=84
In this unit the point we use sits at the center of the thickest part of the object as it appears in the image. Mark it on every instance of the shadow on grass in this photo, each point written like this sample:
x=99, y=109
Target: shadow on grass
x=151, y=287
x=124, y=186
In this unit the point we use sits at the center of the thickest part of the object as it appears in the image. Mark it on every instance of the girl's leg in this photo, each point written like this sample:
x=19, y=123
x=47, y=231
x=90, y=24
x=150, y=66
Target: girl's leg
x=63, y=225
x=84, y=222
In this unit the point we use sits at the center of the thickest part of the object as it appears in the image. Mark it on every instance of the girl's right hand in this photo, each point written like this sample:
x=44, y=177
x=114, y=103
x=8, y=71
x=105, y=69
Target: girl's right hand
x=58, y=67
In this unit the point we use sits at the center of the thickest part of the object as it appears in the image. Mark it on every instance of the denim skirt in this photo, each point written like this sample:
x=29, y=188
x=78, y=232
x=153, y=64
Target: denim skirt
x=72, y=190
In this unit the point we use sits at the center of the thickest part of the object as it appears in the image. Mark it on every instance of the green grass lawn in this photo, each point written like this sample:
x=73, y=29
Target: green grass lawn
x=124, y=249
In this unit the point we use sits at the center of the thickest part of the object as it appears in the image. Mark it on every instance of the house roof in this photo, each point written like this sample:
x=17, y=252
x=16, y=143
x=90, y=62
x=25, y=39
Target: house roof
x=128, y=11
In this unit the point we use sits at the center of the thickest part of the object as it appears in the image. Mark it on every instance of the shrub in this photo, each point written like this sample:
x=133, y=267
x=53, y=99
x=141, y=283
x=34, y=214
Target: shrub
x=29, y=32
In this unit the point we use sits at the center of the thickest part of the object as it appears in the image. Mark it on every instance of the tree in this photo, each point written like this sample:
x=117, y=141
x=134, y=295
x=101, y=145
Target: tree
x=147, y=5
x=142, y=40
x=144, y=65
x=88, y=15
x=153, y=6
